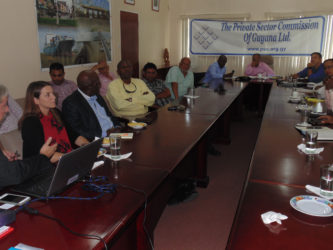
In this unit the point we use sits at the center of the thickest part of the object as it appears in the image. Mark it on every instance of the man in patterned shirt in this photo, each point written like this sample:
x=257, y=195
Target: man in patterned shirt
x=157, y=86
x=62, y=87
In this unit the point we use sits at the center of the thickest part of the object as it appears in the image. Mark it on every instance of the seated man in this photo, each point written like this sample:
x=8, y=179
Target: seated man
x=157, y=86
x=13, y=171
x=217, y=70
x=11, y=119
x=257, y=67
x=314, y=71
x=61, y=87
x=179, y=79
x=129, y=96
x=85, y=111
x=328, y=83
x=105, y=76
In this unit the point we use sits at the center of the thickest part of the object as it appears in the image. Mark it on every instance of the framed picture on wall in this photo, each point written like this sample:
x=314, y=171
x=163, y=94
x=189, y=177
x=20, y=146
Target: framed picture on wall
x=130, y=1
x=156, y=5
x=73, y=32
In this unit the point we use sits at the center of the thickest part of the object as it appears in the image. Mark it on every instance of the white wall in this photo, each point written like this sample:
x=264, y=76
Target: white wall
x=19, y=53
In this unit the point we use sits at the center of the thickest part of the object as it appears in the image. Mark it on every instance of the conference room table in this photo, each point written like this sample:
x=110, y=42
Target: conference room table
x=278, y=172
x=164, y=151
x=174, y=134
x=105, y=217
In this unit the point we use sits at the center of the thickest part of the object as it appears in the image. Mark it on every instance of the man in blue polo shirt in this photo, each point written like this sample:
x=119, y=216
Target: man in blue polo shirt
x=315, y=69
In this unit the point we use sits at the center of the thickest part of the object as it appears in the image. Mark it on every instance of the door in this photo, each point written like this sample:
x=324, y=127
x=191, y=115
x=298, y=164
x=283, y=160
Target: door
x=129, y=26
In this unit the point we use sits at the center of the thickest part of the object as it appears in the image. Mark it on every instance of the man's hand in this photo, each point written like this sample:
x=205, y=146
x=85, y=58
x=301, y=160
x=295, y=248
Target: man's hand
x=145, y=93
x=129, y=99
x=81, y=141
x=310, y=65
x=10, y=156
x=328, y=82
x=96, y=67
x=326, y=119
x=254, y=64
x=113, y=130
x=48, y=150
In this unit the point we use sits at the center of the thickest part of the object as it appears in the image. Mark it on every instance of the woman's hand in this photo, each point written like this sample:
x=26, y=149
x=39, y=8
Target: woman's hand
x=47, y=149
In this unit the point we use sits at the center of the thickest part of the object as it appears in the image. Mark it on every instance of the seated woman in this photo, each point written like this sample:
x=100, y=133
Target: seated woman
x=42, y=120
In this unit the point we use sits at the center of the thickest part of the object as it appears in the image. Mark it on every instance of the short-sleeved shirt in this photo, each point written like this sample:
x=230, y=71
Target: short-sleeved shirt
x=157, y=87
x=318, y=74
x=63, y=90
x=184, y=82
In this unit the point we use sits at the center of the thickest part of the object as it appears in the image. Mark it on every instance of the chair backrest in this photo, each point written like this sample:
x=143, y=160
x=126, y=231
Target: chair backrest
x=20, y=101
x=162, y=73
x=12, y=141
x=268, y=59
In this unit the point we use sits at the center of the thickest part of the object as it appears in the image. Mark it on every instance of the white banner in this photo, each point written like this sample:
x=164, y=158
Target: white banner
x=299, y=37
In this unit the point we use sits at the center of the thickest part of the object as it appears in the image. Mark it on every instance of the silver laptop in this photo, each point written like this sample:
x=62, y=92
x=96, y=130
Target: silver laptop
x=71, y=167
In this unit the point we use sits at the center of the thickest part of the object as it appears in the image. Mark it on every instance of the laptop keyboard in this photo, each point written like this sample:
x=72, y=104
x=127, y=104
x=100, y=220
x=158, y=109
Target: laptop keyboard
x=37, y=185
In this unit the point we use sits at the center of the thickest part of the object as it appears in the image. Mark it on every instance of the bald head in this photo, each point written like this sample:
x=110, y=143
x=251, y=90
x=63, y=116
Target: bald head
x=222, y=60
x=125, y=70
x=88, y=82
x=185, y=64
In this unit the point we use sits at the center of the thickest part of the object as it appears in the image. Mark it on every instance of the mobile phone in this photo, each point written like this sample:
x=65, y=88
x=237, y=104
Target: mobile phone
x=172, y=108
x=14, y=199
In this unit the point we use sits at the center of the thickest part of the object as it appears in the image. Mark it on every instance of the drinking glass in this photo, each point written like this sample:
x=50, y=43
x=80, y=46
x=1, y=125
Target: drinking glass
x=311, y=140
x=115, y=144
x=304, y=116
x=326, y=180
x=190, y=91
x=294, y=93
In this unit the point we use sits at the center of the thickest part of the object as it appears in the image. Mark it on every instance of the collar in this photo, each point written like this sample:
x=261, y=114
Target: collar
x=88, y=98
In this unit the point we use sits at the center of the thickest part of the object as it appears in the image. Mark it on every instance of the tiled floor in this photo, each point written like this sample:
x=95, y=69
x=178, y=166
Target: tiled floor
x=205, y=222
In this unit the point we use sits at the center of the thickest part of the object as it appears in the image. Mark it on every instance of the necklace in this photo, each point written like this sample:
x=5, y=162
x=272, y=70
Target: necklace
x=129, y=91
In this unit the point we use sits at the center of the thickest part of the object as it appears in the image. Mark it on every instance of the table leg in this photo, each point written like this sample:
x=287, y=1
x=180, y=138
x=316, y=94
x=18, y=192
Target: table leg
x=201, y=163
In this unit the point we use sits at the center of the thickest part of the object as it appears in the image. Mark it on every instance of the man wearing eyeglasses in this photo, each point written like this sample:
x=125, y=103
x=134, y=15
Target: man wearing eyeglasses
x=61, y=87
x=85, y=111
x=129, y=96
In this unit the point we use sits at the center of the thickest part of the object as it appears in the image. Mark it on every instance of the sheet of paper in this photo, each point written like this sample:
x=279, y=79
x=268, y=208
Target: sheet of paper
x=124, y=135
x=324, y=133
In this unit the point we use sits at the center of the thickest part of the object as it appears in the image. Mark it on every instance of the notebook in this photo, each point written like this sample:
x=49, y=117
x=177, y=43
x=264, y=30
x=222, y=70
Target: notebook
x=71, y=167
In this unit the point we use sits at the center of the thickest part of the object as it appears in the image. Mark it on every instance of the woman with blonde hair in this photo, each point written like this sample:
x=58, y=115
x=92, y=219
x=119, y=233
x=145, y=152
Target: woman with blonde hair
x=42, y=120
